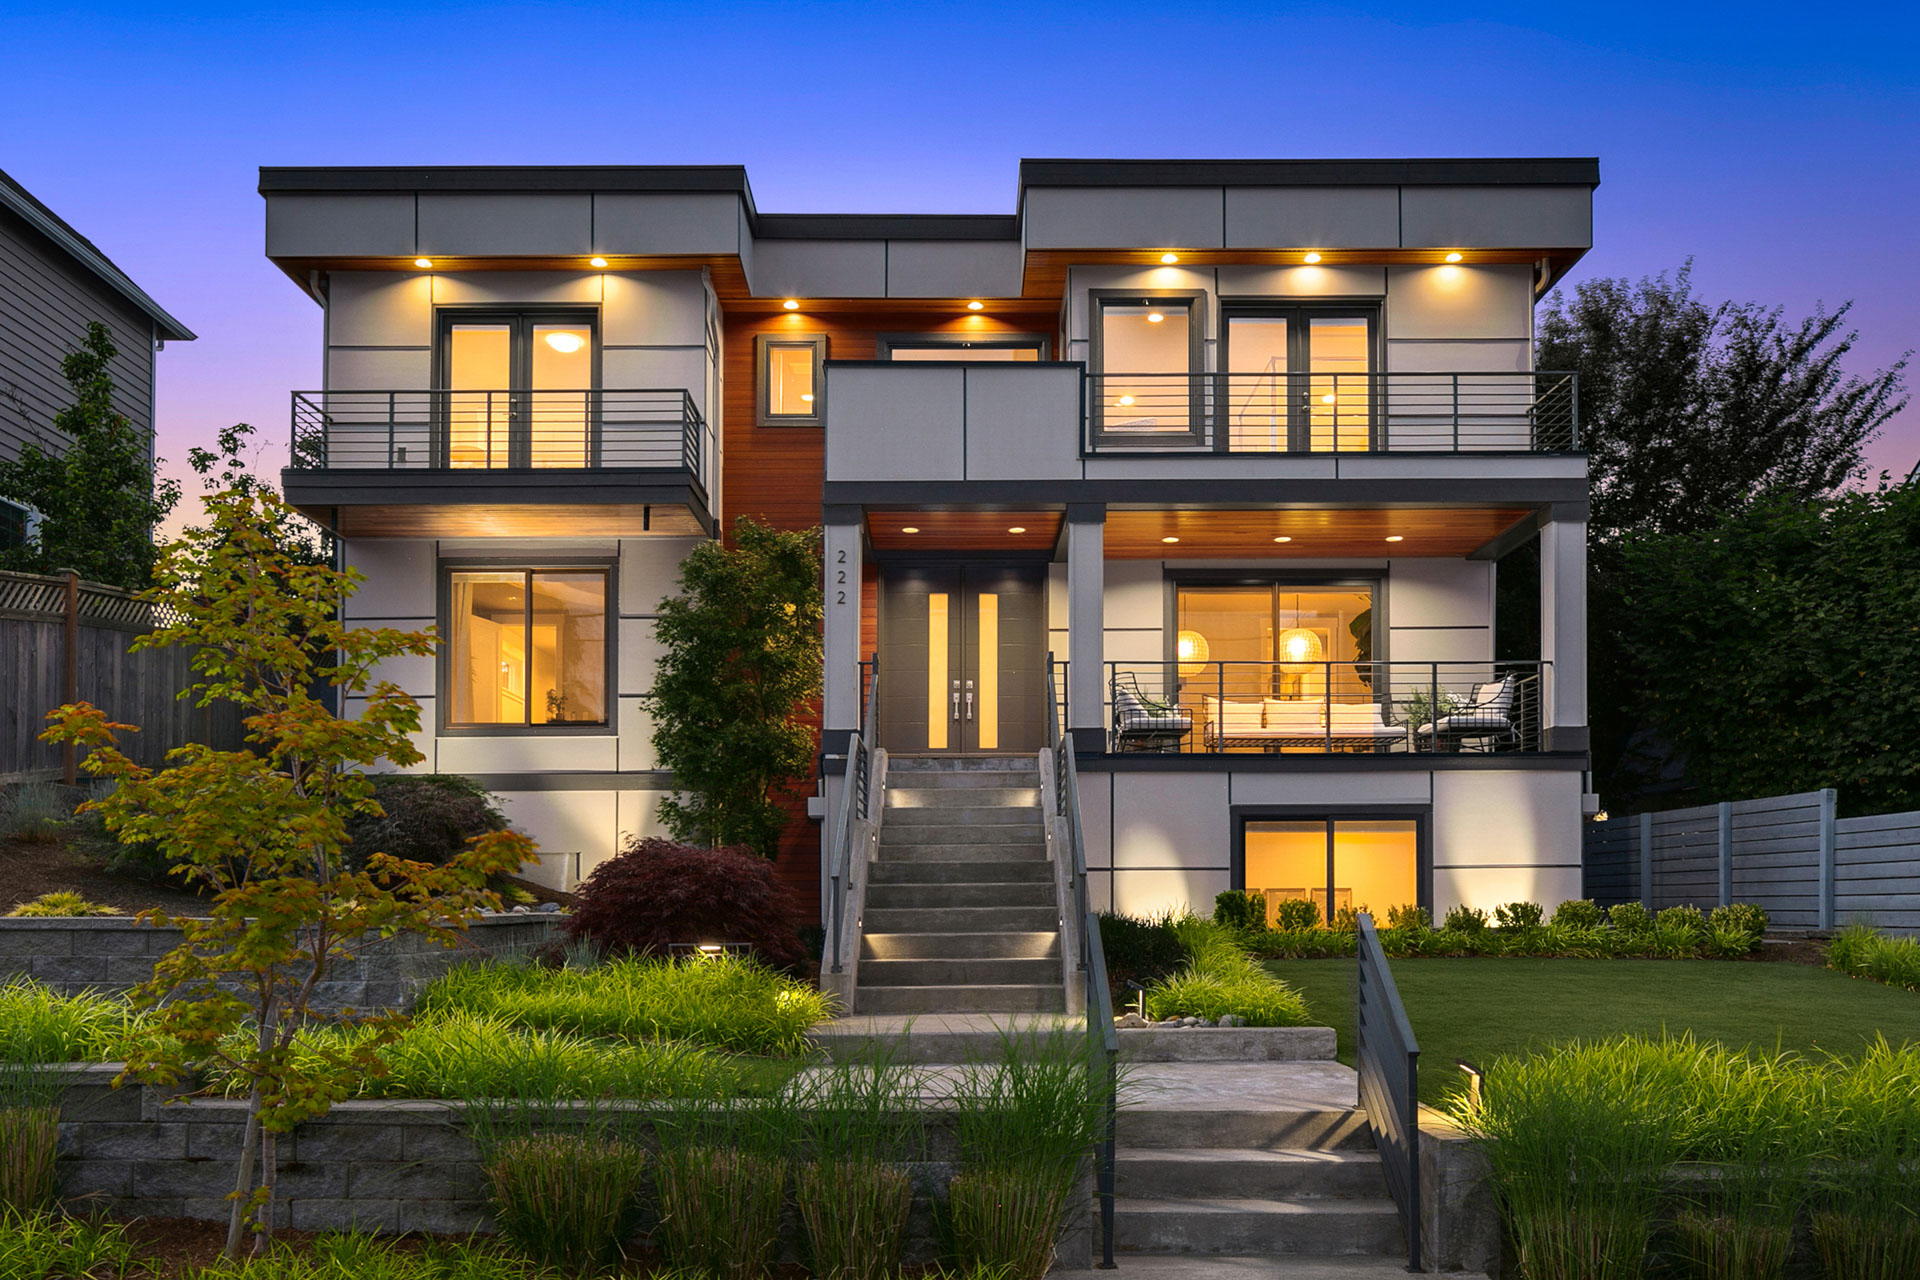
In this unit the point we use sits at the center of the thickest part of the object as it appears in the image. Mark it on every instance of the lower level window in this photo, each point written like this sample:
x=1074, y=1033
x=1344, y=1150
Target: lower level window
x=1363, y=864
x=528, y=647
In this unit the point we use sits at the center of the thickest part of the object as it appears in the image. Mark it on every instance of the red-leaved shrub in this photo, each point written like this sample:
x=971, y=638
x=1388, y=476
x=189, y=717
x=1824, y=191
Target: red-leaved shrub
x=656, y=892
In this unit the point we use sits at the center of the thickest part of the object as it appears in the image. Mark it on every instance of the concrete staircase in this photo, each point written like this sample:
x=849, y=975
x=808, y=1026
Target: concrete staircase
x=961, y=912
x=1301, y=1180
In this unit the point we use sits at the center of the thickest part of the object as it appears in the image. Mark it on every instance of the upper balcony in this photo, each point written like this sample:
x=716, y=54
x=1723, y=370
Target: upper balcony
x=533, y=463
x=1031, y=426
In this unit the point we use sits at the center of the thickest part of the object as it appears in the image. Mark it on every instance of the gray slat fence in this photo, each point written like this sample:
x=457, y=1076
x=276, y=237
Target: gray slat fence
x=133, y=688
x=1791, y=854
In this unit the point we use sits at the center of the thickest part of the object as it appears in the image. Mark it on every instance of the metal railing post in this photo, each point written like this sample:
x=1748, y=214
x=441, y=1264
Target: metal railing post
x=1456, y=413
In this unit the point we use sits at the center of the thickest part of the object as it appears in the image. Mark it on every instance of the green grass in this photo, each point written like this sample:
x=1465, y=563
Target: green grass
x=37, y=1024
x=1480, y=1010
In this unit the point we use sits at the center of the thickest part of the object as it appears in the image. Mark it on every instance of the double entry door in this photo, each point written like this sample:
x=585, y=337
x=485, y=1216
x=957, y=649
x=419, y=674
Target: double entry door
x=963, y=658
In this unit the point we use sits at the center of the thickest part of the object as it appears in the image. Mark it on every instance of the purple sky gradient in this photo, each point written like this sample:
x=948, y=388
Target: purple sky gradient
x=1777, y=145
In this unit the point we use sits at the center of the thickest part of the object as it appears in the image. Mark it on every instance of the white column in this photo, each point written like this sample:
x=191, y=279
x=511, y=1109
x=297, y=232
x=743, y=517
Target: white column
x=1563, y=631
x=840, y=694
x=1086, y=626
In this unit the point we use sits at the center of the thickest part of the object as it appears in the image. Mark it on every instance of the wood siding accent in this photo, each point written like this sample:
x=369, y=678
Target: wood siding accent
x=462, y=520
x=49, y=301
x=1315, y=534
x=963, y=530
x=1044, y=272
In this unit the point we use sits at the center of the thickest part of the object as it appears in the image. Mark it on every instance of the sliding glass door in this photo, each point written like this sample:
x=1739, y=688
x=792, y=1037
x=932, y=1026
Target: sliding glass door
x=1338, y=864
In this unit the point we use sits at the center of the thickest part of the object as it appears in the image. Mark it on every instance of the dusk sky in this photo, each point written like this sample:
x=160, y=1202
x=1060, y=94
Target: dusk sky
x=1778, y=145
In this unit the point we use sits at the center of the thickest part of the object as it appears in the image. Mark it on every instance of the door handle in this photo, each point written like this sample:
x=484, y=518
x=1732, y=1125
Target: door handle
x=956, y=699
x=969, y=699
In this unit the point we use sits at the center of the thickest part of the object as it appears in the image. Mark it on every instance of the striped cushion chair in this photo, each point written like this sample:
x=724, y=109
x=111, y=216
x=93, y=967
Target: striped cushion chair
x=1487, y=717
x=1142, y=724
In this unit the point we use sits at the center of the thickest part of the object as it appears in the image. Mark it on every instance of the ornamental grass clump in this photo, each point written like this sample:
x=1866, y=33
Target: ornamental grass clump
x=1578, y=1141
x=1024, y=1121
x=722, y=1180
x=37, y=1245
x=29, y=1134
x=61, y=904
x=566, y=1200
x=39, y=1024
x=1866, y=1222
x=861, y=1127
x=1863, y=952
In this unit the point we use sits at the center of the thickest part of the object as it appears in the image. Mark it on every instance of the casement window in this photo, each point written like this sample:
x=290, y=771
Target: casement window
x=1147, y=357
x=528, y=649
x=518, y=387
x=789, y=382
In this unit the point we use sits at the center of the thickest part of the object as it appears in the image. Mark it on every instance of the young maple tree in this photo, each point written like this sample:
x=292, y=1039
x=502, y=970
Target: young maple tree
x=263, y=829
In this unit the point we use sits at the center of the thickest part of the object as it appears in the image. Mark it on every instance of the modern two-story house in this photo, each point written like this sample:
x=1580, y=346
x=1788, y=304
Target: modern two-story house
x=1212, y=461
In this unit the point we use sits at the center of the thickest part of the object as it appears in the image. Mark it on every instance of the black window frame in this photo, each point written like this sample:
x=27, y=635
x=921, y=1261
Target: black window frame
x=443, y=665
x=886, y=342
x=1420, y=814
x=1299, y=315
x=1375, y=582
x=1195, y=300
x=763, y=346
x=519, y=371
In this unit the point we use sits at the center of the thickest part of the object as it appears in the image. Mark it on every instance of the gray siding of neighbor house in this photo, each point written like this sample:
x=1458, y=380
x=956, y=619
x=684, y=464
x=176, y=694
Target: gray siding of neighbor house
x=46, y=302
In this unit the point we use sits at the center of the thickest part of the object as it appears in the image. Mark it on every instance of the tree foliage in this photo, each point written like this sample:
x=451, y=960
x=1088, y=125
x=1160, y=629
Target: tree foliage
x=1689, y=409
x=264, y=829
x=98, y=501
x=224, y=469
x=1779, y=650
x=741, y=664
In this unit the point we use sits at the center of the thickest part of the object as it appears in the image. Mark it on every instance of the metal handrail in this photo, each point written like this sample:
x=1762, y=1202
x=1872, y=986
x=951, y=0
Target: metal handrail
x=1103, y=1040
x=855, y=808
x=1389, y=1068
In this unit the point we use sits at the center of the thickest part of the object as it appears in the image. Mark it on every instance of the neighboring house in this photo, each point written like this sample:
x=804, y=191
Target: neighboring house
x=53, y=283
x=1237, y=442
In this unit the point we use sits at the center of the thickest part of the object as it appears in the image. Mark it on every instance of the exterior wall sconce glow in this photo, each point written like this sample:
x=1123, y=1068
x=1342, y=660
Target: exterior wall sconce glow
x=1019, y=528
x=1283, y=538
x=1312, y=258
x=601, y=263
x=976, y=305
x=1169, y=258
x=423, y=262
x=1454, y=257
x=791, y=304
x=1394, y=537
x=1169, y=538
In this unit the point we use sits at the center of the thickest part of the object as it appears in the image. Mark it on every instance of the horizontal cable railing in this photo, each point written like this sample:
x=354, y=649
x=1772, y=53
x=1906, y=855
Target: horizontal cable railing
x=446, y=430
x=1331, y=412
x=1415, y=707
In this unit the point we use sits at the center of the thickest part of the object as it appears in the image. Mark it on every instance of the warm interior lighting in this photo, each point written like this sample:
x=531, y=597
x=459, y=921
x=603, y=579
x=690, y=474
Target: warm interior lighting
x=1192, y=649
x=1394, y=537
x=597, y=262
x=1453, y=257
x=791, y=304
x=1313, y=257
x=1169, y=538
x=1019, y=528
x=911, y=528
x=564, y=342
x=806, y=398
x=1299, y=649
x=1154, y=317
x=1283, y=538
x=1327, y=398
x=423, y=262
x=976, y=305
x=1126, y=400
x=1169, y=258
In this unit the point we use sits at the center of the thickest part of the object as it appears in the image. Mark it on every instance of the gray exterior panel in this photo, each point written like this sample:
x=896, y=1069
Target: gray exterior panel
x=953, y=269
x=1497, y=217
x=1315, y=217
x=343, y=226
x=477, y=225
x=665, y=223
x=819, y=269
x=1130, y=218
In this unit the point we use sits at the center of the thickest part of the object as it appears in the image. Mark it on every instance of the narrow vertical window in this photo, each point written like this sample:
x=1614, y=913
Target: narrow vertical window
x=937, y=633
x=788, y=389
x=989, y=608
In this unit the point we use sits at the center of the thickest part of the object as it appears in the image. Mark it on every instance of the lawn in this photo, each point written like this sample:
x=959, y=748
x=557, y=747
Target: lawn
x=1479, y=1009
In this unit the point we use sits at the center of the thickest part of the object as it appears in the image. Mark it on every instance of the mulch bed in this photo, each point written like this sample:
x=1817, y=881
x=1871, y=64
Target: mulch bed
x=30, y=868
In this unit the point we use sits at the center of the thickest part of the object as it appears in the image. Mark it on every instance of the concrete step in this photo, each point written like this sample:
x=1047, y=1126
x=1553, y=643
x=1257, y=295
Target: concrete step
x=949, y=765
x=960, y=919
x=1009, y=945
x=959, y=972
x=967, y=815
x=927, y=871
x=1142, y=1266
x=1274, y=1129
x=1211, y=1172
x=907, y=835
x=964, y=850
x=994, y=792
x=1015, y=893
x=1312, y=1228
x=1005, y=998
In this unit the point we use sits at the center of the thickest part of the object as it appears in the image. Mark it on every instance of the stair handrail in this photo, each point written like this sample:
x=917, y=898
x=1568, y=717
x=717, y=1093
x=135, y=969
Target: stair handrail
x=858, y=829
x=1103, y=1041
x=1389, y=1069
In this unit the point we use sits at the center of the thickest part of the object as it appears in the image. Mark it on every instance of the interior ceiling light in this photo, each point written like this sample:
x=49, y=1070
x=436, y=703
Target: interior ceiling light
x=1453, y=257
x=1126, y=399
x=1283, y=538
x=1327, y=398
x=806, y=397
x=1154, y=317
x=1313, y=257
x=1019, y=528
x=565, y=343
x=1394, y=537
x=911, y=528
x=423, y=262
x=1169, y=538
x=791, y=304
x=597, y=262
x=1169, y=258
x=976, y=305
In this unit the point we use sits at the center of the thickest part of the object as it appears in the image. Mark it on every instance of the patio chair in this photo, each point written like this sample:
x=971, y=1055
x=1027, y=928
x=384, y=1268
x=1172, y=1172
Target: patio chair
x=1487, y=720
x=1141, y=723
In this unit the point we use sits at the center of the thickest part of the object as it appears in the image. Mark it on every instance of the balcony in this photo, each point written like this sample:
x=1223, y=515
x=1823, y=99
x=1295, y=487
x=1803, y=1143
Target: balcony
x=1320, y=708
x=387, y=463
x=1331, y=413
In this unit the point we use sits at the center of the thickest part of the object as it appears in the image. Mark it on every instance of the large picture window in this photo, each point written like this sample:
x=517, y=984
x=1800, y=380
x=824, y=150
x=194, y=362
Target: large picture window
x=527, y=648
x=1359, y=863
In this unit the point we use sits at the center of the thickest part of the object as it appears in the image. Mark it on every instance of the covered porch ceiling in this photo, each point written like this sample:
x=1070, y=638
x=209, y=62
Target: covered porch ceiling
x=507, y=520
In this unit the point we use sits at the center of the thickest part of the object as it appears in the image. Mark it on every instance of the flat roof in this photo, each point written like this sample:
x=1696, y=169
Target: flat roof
x=83, y=251
x=1581, y=171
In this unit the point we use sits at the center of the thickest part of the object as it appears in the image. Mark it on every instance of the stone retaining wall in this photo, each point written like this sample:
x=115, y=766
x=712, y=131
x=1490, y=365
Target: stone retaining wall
x=115, y=954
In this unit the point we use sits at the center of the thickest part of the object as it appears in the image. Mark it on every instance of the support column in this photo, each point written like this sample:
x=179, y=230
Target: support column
x=840, y=695
x=1563, y=629
x=1087, y=626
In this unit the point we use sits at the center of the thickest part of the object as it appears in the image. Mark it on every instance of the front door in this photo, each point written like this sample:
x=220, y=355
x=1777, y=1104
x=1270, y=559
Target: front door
x=963, y=659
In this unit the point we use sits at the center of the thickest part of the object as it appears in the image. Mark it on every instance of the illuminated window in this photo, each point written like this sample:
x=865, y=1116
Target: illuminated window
x=1299, y=379
x=789, y=390
x=518, y=388
x=1146, y=351
x=527, y=647
x=1368, y=864
x=1015, y=348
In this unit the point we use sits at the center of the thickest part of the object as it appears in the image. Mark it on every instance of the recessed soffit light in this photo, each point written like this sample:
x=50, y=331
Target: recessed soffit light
x=597, y=262
x=1169, y=538
x=791, y=304
x=1283, y=538
x=423, y=262
x=976, y=305
x=1454, y=257
x=1169, y=258
x=1313, y=257
x=1018, y=528
x=1394, y=537
x=911, y=528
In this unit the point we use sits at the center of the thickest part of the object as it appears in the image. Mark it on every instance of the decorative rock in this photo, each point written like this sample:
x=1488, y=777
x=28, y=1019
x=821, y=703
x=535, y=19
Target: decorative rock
x=548, y=906
x=1208, y=1022
x=522, y=910
x=1232, y=1020
x=1131, y=1022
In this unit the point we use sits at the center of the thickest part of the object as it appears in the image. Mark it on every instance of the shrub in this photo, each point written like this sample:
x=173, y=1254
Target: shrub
x=565, y=1200
x=1629, y=918
x=1139, y=951
x=1724, y=943
x=61, y=903
x=1222, y=978
x=424, y=817
x=1347, y=919
x=1578, y=913
x=1238, y=909
x=34, y=812
x=655, y=893
x=1682, y=920
x=1749, y=917
x=1862, y=952
x=1408, y=917
x=1558, y=939
x=1517, y=916
x=36, y=1245
x=1465, y=919
x=1296, y=913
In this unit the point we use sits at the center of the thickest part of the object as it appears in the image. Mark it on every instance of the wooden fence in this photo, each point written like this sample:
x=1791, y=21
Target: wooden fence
x=1791, y=854
x=62, y=638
